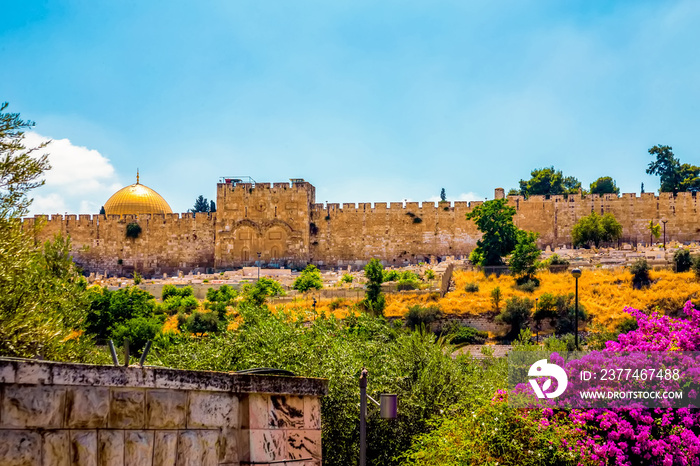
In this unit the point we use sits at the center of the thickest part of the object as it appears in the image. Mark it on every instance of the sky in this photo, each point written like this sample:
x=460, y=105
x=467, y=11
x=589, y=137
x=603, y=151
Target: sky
x=369, y=101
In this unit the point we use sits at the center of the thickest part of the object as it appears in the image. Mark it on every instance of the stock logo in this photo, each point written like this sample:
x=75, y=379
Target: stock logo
x=542, y=368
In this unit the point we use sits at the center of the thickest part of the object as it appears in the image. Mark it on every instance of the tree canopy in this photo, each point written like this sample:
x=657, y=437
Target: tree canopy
x=595, y=229
x=500, y=235
x=310, y=279
x=201, y=204
x=548, y=181
x=673, y=176
x=604, y=185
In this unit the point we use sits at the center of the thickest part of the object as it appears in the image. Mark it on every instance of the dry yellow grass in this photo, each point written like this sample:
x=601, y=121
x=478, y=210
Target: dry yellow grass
x=604, y=294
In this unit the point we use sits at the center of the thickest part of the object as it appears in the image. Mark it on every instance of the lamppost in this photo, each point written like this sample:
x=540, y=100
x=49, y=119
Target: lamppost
x=387, y=410
x=576, y=273
x=537, y=324
x=664, y=222
x=259, y=254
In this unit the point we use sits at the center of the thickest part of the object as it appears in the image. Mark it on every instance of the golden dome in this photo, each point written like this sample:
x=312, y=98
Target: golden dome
x=136, y=199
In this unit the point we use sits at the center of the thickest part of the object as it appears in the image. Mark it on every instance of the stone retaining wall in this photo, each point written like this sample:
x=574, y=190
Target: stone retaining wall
x=54, y=414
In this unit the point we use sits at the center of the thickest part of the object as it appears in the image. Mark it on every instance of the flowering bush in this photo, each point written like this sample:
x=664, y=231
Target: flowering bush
x=630, y=434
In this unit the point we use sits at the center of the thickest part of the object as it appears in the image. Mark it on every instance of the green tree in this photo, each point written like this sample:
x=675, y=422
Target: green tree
x=666, y=166
x=596, y=229
x=20, y=169
x=42, y=295
x=310, y=279
x=500, y=235
x=674, y=176
x=523, y=260
x=604, y=185
x=548, y=181
x=201, y=204
x=111, y=309
x=374, y=298
x=654, y=231
x=102, y=210
x=258, y=292
x=212, y=206
x=682, y=260
x=443, y=195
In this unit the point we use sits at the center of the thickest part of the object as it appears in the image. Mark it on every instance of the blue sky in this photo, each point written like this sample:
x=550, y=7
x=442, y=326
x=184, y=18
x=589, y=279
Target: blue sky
x=369, y=101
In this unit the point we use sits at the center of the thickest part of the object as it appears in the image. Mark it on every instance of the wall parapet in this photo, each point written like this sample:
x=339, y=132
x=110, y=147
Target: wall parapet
x=61, y=414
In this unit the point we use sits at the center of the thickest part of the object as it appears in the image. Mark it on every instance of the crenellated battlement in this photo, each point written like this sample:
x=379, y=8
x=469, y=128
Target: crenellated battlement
x=283, y=223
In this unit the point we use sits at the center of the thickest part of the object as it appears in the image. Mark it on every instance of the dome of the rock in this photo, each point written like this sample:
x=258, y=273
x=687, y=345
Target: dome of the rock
x=136, y=199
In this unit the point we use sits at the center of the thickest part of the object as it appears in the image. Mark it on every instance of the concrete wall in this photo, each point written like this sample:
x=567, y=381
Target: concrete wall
x=282, y=222
x=55, y=414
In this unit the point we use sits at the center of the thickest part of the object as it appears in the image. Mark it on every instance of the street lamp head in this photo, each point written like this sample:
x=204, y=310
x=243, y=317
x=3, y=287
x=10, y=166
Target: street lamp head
x=576, y=273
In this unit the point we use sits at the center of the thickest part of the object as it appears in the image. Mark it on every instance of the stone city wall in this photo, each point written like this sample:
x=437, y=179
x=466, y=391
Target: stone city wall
x=167, y=242
x=54, y=414
x=282, y=222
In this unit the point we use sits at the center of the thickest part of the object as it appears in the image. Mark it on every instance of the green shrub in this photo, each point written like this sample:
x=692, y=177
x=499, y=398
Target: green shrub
x=496, y=298
x=528, y=286
x=137, y=278
x=517, y=314
x=556, y=259
x=682, y=260
x=109, y=309
x=390, y=276
x=415, y=365
x=202, y=322
x=310, y=279
x=336, y=304
x=429, y=274
x=640, y=273
x=138, y=331
x=133, y=230
x=469, y=336
x=471, y=287
x=346, y=278
x=258, y=292
x=696, y=266
x=418, y=316
x=374, y=301
x=404, y=284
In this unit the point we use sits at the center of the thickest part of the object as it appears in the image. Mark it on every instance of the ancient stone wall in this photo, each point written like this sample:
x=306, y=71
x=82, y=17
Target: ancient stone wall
x=269, y=220
x=283, y=224
x=55, y=414
x=167, y=242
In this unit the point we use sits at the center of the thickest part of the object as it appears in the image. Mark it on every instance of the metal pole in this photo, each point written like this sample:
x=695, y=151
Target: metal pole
x=363, y=417
x=576, y=317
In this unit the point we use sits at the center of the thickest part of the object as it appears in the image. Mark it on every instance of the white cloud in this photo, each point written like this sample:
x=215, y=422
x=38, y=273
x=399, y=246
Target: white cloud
x=80, y=180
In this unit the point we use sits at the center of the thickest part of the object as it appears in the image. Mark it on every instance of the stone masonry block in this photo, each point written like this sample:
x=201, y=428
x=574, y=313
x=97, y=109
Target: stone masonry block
x=255, y=411
x=126, y=410
x=55, y=448
x=7, y=372
x=166, y=409
x=20, y=448
x=264, y=445
x=212, y=409
x=33, y=373
x=228, y=446
x=302, y=444
x=197, y=448
x=83, y=447
x=110, y=447
x=138, y=447
x=287, y=411
x=37, y=406
x=165, y=448
x=312, y=412
x=87, y=407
